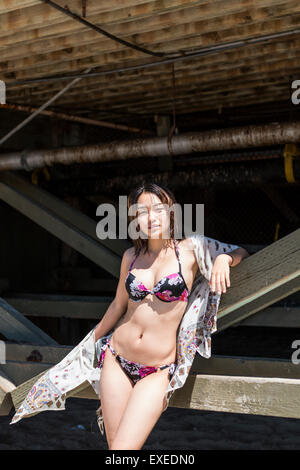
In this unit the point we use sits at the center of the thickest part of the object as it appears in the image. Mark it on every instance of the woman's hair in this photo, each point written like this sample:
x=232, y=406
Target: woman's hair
x=164, y=194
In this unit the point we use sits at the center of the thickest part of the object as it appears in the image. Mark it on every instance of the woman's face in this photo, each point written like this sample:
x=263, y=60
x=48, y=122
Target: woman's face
x=153, y=216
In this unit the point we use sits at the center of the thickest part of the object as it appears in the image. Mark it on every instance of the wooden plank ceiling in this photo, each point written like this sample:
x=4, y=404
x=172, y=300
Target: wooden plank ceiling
x=37, y=40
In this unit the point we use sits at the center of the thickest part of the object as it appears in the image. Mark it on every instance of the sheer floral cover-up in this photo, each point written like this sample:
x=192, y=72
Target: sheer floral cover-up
x=199, y=321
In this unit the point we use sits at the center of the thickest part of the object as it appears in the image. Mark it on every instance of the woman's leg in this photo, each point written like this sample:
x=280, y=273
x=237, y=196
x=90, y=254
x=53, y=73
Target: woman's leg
x=115, y=390
x=144, y=407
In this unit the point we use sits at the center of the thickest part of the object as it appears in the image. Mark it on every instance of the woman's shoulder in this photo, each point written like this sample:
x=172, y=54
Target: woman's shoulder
x=186, y=246
x=188, y=250
x=186, y=243
x=129, y=253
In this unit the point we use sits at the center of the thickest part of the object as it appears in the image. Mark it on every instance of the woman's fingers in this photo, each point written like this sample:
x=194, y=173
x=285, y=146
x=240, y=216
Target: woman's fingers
x=216, y=282
x=227, y=278
x=219, y=282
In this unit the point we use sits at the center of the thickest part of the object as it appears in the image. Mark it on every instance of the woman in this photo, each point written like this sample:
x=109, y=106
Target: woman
x=156, y=278
x=164, y=311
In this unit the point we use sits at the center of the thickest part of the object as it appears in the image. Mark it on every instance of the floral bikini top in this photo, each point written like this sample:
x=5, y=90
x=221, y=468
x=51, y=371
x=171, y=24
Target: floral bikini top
x=168, y=289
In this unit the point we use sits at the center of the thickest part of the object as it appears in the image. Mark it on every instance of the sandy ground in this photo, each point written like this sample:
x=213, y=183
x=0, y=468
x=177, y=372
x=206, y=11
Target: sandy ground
x=177, y=428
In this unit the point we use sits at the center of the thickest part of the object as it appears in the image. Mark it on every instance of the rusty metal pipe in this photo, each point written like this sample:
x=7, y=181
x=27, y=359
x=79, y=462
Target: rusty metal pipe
x=220, y=139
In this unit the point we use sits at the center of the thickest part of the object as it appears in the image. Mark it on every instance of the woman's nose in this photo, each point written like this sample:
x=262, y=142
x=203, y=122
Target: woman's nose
x=152, y=219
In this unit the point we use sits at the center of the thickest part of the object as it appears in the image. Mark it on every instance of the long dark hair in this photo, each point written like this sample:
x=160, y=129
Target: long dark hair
x=165, y=195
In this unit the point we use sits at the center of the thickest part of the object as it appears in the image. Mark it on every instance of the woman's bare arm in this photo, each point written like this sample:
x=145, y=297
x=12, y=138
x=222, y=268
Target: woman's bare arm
x=120, y=302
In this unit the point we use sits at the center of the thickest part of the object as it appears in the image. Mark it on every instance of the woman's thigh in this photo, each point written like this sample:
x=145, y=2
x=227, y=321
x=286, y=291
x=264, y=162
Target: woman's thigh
x=115, y=390
x=144, y=407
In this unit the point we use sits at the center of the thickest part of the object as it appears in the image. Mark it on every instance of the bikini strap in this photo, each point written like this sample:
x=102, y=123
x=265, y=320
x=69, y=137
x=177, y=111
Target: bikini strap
x=135, y=257
x=177, y=253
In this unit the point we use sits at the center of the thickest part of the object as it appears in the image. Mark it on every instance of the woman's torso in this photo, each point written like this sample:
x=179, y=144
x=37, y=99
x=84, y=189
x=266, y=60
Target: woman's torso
x=147, y=332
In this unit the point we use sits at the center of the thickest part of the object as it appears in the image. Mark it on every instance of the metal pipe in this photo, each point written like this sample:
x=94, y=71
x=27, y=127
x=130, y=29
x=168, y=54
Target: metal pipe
x=188, y=143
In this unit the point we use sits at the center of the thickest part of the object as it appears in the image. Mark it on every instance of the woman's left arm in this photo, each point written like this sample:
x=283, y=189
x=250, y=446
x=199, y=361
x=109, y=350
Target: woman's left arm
x=220, y=275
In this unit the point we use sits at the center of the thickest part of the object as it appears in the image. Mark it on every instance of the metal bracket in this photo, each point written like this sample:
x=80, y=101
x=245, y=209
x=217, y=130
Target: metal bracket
x=290, y=152
x=36, y=172
x=24, y=161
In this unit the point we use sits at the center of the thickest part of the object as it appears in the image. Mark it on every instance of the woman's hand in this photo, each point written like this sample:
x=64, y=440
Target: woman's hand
x=220, y=273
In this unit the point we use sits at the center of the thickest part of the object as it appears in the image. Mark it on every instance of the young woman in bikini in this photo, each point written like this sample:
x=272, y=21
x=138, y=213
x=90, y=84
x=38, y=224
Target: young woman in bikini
x=156, y=277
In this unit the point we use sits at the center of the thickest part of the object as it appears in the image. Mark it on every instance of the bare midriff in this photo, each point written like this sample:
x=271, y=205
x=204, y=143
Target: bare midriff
x=147, y=332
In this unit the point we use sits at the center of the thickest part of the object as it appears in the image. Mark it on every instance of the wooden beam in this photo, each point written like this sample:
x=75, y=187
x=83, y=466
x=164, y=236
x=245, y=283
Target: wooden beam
x=19, y=394
x=6, y=385
x=22, y=353
x=42, y=16
x=267, y=396
x=187, y=79
x=21, y=371
x=62, y=221
x=178, y=32
x=235, y=315
x=176, y=24
x=6, y=403
x=62, y=306
x=280, y=317
x=93, y=308
x=7, y=6
x=199, y=88
x=48, y=39
x=142, y=15
x=243, y=60
x=261, y=280
x=14, y=326
x=246, y=366
x=227, y=87
x=279, y=201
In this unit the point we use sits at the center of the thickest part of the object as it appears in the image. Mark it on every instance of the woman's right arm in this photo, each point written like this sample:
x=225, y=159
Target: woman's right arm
x=119, y=305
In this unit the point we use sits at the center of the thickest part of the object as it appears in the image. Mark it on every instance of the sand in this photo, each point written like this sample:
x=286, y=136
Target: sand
x=177, y=428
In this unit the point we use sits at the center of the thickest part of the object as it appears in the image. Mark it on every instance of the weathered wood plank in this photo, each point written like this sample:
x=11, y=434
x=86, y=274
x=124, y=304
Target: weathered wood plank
x=249, y=395
x=5, y=403
x=179, y=31
x=20, y=353
x=246, y=366
x=21, y=371
x=281, y=317
x=49, y=40
x=62, y=306
x=244, y=311
x=6, y=384
x=64, y=222
x=14, y=326
x=84, y=307
x=148, y=29
x=269, y=396
x=262, y=279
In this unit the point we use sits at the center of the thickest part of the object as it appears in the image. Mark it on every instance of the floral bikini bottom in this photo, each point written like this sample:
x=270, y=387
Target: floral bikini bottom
x=134, y=370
